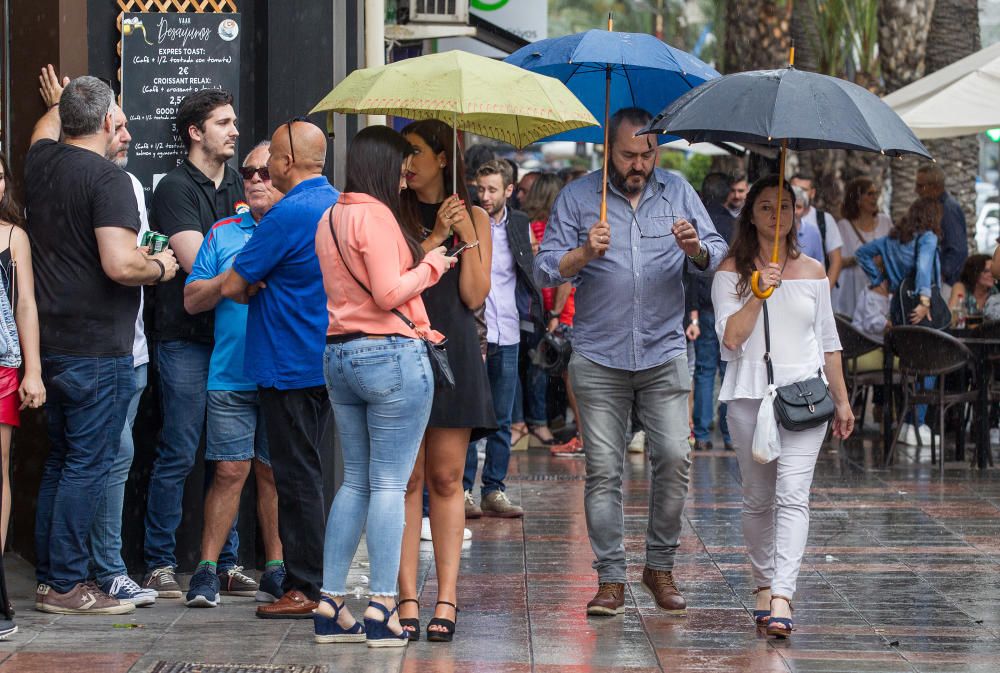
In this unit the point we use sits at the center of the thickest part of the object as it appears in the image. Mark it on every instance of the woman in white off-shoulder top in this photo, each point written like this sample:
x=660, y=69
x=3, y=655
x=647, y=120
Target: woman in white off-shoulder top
x=803, y=340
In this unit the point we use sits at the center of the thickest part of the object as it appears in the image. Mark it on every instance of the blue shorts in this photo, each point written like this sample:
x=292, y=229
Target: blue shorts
x=235, y=427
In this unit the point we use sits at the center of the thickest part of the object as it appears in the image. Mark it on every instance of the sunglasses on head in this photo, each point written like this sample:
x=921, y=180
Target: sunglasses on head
x=247, y=172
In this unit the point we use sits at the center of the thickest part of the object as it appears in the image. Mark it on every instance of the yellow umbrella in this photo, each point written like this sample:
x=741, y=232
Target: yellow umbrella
x=472, y=93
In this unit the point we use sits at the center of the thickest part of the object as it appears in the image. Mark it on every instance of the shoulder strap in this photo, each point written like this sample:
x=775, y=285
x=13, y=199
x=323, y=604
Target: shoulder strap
x=767, y=347
x=857, y=232
x=336, y=243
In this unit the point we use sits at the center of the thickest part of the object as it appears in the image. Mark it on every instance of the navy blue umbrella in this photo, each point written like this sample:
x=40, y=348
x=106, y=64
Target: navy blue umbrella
x=645, y=72
x=609, y=71
x=788, y=108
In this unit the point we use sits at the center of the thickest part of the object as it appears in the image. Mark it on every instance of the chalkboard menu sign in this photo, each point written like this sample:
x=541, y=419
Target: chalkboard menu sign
x=164, y=58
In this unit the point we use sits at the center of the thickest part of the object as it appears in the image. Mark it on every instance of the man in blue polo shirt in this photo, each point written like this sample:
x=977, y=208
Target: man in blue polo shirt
x=278, y=274
x=235, y=433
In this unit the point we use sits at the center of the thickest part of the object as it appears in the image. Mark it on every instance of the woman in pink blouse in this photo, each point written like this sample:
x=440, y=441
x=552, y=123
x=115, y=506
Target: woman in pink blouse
x=378, y=376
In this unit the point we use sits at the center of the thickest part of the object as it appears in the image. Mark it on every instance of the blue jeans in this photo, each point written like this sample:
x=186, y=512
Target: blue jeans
x=381, y=391
x=501, y=367
x=707, y=361
x=106, y=533
x=183, y=367
x=88, y=399
x=235, y=428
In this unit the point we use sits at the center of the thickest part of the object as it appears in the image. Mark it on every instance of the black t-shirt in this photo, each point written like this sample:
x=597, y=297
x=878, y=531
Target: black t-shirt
x=187, y=200
x=69, y=193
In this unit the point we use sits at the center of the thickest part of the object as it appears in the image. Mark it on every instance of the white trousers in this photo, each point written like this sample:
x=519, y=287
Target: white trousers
x=775, y=498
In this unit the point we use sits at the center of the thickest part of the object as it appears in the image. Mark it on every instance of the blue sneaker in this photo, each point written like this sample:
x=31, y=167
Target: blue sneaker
x=203, y=592
x=271, y=583
x=125, y=589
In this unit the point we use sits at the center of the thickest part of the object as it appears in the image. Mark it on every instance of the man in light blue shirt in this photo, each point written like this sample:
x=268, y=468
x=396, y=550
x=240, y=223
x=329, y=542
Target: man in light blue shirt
x=234, y=428
x=629, y=344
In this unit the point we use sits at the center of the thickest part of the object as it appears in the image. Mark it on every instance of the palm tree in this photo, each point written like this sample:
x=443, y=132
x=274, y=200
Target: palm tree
x=902, y=48
x=758, y=34
x=954, y=34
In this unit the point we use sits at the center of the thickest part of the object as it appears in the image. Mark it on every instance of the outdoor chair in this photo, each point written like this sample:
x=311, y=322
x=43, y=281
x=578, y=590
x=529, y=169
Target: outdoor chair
x=922, y=352
x=859, y=375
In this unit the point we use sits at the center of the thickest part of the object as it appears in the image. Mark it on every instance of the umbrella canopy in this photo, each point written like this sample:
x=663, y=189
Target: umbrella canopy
x=470, y=92
x=645, y=72
x=803, y=110
x=960, y=99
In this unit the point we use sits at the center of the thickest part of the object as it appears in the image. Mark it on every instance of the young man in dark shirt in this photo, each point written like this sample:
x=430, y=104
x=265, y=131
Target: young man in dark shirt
x=202, y=190
x=82, y=220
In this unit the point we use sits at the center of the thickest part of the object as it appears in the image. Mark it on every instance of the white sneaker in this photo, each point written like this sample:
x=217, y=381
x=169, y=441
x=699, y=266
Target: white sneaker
x=908, y=434
x=925, y=435
x=638, y=443
x=425, y=531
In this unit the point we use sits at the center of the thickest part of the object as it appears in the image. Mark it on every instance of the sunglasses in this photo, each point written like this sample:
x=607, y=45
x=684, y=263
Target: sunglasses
x=291, y=141
x=247, y=172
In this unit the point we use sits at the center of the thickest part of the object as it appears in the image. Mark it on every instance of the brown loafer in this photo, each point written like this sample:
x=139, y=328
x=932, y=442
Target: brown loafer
x=293, y=605
x=609, y=601
x=660, y=583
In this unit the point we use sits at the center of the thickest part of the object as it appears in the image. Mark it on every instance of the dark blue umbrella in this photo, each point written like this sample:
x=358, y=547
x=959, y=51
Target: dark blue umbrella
x=788, y=108
x=645, y=72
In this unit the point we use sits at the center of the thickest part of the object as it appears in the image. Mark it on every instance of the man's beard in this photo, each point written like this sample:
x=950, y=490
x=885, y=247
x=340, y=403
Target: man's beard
x=112, y=155
x=621, y=181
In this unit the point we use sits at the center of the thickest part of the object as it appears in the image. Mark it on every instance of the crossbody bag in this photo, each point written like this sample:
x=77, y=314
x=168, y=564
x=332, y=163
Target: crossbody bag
x=443, y=376
x=802, y=405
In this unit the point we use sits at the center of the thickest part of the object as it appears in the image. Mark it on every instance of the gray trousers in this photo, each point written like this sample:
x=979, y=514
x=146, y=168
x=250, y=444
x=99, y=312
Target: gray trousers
x=605, y=397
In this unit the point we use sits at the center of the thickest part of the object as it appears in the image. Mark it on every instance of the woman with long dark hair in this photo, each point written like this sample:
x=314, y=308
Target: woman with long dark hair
x=378, y=376
x=975, y=287
x=803, y=339
x=437, y=216
x=861, y=223
x=910, y=250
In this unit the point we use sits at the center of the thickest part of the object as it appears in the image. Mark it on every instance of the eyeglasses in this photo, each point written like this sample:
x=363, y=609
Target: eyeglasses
x=291, y=142
x=249, y=171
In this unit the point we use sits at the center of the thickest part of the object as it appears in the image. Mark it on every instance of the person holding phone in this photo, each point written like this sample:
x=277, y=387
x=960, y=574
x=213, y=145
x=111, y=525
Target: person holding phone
x=628, y=272
x=438, y=217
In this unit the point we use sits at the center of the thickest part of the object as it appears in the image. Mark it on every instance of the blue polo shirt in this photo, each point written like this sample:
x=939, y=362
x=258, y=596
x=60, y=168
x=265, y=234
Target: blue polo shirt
x=287, y=321
x=226, y=238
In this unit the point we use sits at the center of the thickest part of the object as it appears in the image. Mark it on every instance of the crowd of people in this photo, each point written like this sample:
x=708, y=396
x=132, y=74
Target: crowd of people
x=420, y=307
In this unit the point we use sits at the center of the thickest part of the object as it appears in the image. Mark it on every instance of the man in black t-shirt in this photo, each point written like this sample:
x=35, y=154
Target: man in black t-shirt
x=202, y=190
x=82, y=220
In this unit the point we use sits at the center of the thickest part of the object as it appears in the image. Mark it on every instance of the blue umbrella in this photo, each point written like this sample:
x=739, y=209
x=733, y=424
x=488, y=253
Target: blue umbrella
x=645, y=72
x=609, y=71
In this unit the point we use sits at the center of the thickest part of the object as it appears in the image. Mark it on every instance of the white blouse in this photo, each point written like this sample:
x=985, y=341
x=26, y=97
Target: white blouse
x=802, y=331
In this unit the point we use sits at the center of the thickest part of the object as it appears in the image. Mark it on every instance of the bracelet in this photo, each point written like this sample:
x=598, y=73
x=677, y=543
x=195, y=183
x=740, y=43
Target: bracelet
x=473, y=244
x=694, y=321
x=56, y=104
x=163, y=269
x=702, y=256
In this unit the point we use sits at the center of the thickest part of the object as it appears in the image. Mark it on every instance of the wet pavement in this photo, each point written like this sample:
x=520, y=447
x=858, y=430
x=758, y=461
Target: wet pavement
x=902, y=573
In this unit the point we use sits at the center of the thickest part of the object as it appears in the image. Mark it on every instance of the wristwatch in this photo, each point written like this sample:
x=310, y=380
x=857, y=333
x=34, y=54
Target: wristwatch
x=925, y=301
x=551, y=315
x=701, y=259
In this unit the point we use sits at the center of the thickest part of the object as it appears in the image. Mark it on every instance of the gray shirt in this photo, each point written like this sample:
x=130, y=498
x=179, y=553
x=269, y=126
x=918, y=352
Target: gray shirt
x=629, y=303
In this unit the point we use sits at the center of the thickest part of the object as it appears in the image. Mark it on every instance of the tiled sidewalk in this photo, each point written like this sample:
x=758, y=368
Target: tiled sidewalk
x=902, y=574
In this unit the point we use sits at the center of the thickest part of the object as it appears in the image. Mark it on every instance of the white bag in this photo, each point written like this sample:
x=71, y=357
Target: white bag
x=766, y=441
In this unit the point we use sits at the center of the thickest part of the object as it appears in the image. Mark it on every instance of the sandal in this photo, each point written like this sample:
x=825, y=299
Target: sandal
x=780, y=627
x=448, y=624
x=537, y=440
x=519, y=439
x=378, y=633
x=329, y=630
x=761, y=617
x=411, y=625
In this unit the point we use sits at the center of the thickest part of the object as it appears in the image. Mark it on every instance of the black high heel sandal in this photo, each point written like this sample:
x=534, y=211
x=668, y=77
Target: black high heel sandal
x=448, y=634
x=410, y=624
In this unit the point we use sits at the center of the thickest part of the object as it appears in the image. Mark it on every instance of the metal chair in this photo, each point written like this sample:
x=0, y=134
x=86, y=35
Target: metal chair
x=922, y=352
x=855, y=344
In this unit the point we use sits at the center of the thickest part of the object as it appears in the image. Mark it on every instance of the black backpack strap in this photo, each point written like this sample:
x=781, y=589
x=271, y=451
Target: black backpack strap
x=821, y=223
x=336, y=243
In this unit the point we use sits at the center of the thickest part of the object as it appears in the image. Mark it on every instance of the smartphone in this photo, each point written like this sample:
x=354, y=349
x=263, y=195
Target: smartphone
x=457, y=250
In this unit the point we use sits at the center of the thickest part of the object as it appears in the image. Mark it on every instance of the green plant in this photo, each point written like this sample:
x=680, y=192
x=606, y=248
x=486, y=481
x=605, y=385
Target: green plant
x=694, y=167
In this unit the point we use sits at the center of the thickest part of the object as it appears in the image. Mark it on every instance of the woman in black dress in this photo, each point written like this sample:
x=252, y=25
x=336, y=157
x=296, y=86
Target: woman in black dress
x=457, y=416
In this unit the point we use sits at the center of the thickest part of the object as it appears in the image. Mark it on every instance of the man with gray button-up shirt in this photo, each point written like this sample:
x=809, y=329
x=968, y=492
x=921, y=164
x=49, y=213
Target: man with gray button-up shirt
x=628, y=343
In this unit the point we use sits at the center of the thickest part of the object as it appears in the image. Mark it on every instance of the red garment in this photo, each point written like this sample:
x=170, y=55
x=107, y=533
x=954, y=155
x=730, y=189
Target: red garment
x=10, y=402
x=549, y=293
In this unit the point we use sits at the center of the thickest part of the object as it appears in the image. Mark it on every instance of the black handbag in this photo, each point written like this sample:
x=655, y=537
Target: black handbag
x=436, y=352
x=907, y=299
x=802, y=405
